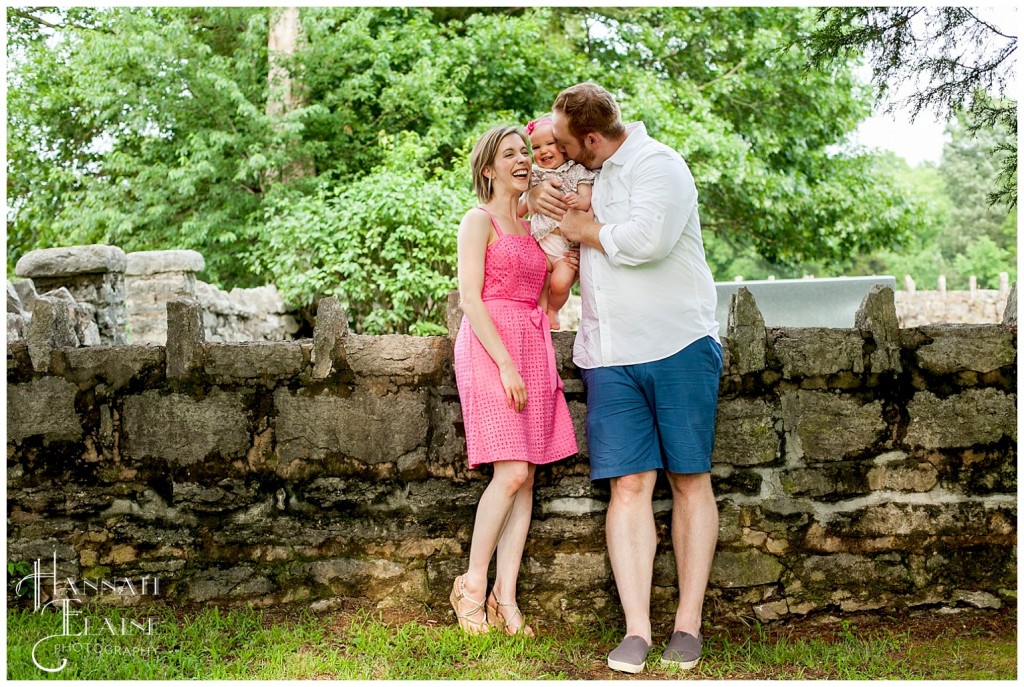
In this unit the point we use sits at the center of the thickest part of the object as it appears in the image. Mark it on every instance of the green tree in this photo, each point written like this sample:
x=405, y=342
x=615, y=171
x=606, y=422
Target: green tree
x=954, y=60
x=143, y=128
x=969, y=169
x=149, y=128
x=966, y=235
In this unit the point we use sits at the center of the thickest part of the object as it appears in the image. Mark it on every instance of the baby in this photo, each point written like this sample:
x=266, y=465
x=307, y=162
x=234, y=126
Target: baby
x=549, y=161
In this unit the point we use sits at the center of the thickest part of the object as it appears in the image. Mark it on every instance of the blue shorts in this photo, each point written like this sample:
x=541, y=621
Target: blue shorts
x=657, y=415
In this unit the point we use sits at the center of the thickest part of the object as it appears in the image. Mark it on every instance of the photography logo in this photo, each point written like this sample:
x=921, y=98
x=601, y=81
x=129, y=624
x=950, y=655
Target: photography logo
x=65, y=594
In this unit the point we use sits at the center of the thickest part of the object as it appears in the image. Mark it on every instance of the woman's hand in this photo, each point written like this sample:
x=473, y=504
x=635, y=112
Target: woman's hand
x=515, y=388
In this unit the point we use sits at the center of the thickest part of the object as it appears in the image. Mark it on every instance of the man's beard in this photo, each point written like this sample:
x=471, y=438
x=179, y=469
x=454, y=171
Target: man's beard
x=586, y=157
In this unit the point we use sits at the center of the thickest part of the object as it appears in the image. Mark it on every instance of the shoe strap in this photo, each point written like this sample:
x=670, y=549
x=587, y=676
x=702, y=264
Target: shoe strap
x=477, y=605
x=518, y=612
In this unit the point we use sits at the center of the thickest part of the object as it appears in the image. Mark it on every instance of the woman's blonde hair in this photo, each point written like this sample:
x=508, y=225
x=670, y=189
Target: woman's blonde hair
x=482, y=157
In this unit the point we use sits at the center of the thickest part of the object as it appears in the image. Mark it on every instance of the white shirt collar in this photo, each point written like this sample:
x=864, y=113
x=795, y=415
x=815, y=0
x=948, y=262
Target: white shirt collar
x=636, y=134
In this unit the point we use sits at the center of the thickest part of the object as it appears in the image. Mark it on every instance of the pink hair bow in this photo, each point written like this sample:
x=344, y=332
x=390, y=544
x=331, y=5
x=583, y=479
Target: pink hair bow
x=544, y=120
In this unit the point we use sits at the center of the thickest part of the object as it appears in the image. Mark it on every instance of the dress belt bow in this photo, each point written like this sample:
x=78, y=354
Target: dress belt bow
x=539, y=319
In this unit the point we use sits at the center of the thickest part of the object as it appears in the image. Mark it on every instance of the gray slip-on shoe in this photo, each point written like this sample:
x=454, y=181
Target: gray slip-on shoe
x=683, y=650
x=630, y=655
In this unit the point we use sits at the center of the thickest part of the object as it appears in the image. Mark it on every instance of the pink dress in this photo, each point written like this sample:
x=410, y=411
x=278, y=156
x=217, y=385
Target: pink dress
x=514, y=272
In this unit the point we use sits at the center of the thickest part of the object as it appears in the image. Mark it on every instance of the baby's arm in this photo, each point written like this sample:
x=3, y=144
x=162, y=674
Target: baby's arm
x=584, y=192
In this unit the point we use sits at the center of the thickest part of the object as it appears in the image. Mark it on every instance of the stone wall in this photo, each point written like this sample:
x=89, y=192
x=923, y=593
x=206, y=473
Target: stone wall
x=117, y=298
x=979, y=306
x=862, y=468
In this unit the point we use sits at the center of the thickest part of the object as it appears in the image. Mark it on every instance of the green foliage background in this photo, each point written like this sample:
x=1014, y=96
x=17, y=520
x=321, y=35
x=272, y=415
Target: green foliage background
x=147, y=128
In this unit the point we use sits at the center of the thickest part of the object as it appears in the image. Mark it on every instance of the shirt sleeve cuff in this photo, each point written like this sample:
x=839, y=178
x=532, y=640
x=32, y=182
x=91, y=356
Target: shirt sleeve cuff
x=606, y=236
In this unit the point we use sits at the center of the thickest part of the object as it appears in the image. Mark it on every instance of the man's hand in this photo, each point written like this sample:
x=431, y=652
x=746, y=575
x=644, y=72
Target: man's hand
x=547, y=199
x=572, y=257
x=578, y=226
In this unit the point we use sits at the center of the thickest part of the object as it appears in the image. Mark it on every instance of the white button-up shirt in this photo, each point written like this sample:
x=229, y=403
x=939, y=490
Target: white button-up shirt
x=651, y=293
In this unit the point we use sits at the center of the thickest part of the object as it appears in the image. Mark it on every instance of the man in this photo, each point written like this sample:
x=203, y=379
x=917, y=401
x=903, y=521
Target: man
x=650, y=357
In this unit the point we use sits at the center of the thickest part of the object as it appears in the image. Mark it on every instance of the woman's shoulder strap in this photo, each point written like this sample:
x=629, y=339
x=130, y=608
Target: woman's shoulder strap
x=494, y=222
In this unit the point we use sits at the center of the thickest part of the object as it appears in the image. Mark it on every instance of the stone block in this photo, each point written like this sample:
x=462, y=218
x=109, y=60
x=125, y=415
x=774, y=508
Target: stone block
x=370, y=427
x=214, y=300
x=214, y=584
x=116, y=366
x=1010, y=312
x=369, y=578
x=258, y=300
x=578, y=413
x=992, y=471
x=184, y=336
x=747, y=334
x=877, y=317
x=909, y=525
x=828, y=482
x=584, y=570
x=15, y=327
x=254, y=359
x=82, y=315
x=146, y=303
x=903, y=475
x=563, y=343
x=822, y=426
x=396, y=355
x=816, y=352
x=13, y=300
x=966, y=347
x=728, y=480
x=413, y=466
x=976, y=416
x=227, y=494
x=329, y=334
x=143, y=263
x=844, y=571
x=744, y=569
x=977, y=599
x=344, y=493
x=73, y=260
x=453, y=314
x=745, y=433
x=61, y=294
x=43, y=407
x=185, y=431
x=51, y=328
x=26, y=290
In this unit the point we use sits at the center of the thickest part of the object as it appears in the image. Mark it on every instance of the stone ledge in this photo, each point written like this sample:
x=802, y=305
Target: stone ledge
x=66, y=262
x=143, y=263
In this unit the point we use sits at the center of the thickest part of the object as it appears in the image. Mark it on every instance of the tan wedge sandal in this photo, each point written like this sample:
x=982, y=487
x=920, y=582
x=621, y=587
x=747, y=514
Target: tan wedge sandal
x=496, y=619
x=465, y=618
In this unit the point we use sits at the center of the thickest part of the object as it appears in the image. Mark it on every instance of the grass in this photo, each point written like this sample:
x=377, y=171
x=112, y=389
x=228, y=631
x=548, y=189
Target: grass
x=278, y=644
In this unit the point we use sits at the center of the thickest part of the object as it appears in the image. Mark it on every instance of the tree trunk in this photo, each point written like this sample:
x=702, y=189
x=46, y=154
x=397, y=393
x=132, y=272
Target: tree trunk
x=285, y=91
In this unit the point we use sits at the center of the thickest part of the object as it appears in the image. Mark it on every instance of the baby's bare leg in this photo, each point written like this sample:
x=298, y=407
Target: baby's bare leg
x=545, y=292
x=560, y=282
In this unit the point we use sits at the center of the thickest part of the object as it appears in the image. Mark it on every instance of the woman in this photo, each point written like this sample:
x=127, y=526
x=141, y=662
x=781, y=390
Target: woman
x=512, y=403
